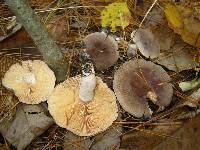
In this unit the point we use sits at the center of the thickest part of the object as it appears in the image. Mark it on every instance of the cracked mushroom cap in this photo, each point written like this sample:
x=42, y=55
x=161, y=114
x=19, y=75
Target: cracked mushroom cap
x=146, y=43
x=138, y=81
x=82, y=118
x=31, y=81
x=102, y=49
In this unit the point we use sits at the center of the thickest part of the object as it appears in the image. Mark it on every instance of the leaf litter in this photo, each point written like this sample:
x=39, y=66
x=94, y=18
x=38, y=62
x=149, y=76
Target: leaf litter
x=69, y=22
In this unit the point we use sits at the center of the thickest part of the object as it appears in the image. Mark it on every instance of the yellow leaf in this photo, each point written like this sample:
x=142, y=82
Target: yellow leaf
x=173, y=16
x=183, y=22
x=115, y=15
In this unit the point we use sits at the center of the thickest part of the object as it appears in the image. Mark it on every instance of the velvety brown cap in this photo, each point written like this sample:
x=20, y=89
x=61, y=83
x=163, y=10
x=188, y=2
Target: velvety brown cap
x=136, y=81
x=102, y=49
x=31, y=81
x=83, y=118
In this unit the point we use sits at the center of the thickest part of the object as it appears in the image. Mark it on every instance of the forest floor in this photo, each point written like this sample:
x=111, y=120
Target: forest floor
x=176, y=127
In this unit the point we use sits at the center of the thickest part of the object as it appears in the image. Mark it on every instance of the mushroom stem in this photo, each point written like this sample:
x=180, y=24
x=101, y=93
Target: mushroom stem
x=88, y=80
x=30, y=78
x=152, y=96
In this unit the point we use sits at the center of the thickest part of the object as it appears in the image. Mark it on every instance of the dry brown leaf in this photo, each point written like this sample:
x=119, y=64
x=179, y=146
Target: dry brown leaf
x=138, y=9
x=30, y=121
x=189, y=137
x=74, y=142
x=181, y=19
x=178, y=58
x=59, y=28
x=110, y=139
x=17, y=40
x=147, y=139
x=154, y=18
x=165, y=137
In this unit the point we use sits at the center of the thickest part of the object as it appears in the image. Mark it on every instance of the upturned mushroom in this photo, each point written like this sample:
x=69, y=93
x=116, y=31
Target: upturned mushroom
x=102, y=48
x=138, y=81
x=31, y=81
x=146, y=42
x=83, y=104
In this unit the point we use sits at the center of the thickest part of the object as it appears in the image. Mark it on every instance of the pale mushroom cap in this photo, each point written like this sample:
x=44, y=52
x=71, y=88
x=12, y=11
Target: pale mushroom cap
x=83, y=119
x=146, y=43
x=31, y=81
x=102, y=49
x=135, y=79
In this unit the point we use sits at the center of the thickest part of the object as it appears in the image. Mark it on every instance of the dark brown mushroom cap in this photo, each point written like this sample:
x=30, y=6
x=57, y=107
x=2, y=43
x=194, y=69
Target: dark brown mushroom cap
x=102, y=49
x=135, y=79
x=146, y=43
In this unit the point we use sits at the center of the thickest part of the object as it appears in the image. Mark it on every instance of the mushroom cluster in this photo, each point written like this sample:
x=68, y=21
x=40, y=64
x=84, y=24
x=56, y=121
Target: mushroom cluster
x=102, y=48
x=83, y=104
x=138, y=81
x=31, y=81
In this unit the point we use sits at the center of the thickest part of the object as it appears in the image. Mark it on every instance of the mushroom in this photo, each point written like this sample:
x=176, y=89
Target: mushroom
x=138, y=81
x=132, y=50
x=102, y=48
x=31, y=81
x=146, y=43
x=83, y=104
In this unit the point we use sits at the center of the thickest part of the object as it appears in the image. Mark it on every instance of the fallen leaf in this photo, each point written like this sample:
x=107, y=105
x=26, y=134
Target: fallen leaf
x=138, y=9
x=30, y=121
x=115, y=15
x=178, y=58
x=74, y=142
x=183, y=22
x=154, y=18
x=147, y=139
x=173, y=16
x=189, y=137
x=110, y=139
x=58, y=27
x=17, y=40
